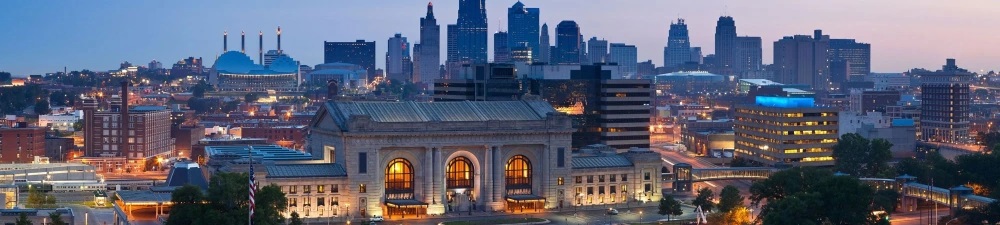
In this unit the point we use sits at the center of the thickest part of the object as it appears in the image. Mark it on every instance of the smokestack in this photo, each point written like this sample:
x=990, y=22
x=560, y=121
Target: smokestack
x=123, y=120
x=279, y=39
x=243, y=42
x=225, y=41
x=260, y=42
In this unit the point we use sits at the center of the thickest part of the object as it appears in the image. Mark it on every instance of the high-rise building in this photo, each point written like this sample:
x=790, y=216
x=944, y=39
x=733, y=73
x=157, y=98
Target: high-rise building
x=626, y=56
x=359, y=52
x=696, y=56
x=522, y=27
x=468, y=36
x=852, y=55
x=501, y=51
x=521, y=55
x=480, y=82
x=726, y=46
x=136, y=133
x=427, y=54
x=944, y=107
x=748, y=56
x=397, y=59
x=544, y=48
x=567, y=43
x=597, y=50
x=613, y=112
x=802, y=59
x=678, y=50
x=786, y=128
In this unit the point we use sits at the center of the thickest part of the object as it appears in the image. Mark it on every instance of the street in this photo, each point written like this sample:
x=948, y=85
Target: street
x=591, y=215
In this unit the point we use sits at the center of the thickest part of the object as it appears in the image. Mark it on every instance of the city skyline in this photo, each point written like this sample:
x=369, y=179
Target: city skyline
x=98, y=37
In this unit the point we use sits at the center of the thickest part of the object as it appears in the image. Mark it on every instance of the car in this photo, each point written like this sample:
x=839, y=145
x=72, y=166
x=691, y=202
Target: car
x=377, y=219
x=612, y=211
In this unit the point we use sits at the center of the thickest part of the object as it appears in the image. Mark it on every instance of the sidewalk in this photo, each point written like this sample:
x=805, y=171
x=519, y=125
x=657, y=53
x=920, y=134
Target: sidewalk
x=478, y=214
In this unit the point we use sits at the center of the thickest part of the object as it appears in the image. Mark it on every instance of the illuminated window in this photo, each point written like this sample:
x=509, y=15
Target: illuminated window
x=460, y=173
x=518, y=172
x=559, y=181
x=399, y=179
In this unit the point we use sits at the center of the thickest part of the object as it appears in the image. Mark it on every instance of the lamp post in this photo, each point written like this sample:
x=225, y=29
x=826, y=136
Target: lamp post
x=640, y=217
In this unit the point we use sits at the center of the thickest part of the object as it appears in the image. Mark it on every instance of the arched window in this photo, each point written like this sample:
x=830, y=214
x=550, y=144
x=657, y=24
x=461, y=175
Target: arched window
x=518, y=172
x=460, y=173
x=399, y=179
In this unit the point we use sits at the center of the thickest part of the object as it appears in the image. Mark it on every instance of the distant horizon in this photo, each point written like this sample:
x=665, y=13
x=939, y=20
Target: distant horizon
x=49, y=35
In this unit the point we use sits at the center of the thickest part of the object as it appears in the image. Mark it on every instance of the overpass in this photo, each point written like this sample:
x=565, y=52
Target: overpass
x=957, y=197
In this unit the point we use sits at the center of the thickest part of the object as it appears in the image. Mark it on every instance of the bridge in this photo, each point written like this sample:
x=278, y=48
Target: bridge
x=959, y=197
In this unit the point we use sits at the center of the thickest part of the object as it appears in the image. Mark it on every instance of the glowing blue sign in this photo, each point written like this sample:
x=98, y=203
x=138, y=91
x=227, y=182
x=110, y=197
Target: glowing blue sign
x=786, y=102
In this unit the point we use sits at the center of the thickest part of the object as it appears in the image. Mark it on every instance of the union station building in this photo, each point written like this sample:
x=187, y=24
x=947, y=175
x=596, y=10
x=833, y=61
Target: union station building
x=402, y=159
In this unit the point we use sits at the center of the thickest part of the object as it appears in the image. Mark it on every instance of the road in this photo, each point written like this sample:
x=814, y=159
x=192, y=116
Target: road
x=916, y=217
x=595, y=215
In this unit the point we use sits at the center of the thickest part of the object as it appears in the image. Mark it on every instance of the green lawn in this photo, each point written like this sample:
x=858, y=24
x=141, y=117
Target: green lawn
x=494, y=221
x=675, y=222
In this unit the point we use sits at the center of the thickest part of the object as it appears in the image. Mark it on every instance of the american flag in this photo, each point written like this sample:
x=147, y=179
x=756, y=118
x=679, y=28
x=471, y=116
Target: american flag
x=253, y=188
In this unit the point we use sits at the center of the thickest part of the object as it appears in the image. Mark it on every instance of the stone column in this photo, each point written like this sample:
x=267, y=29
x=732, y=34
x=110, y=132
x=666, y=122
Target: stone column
x=496, y=198
x=486, y=185
x=436, y=206
x=428, y=174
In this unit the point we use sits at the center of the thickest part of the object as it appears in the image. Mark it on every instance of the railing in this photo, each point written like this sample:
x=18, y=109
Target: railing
x=926, y=192
x=732, y=173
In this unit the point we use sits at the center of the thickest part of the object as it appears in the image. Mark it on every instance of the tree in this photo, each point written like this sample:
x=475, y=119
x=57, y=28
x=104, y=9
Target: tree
x=226, y=203
x=22, y=219
x=729, y=198
x=39, y=199
x=669, y=207
x=251, y=97
x=857, y=156
x=990, y=141
x=198, y=90
x=814, y=196
x=295, y=220
x=737, y=216
x=704, y=199
x=42, y=107
x=5, y=77
x=55, y=218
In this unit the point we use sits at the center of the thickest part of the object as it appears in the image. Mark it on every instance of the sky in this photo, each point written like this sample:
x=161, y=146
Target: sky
x=46, y=35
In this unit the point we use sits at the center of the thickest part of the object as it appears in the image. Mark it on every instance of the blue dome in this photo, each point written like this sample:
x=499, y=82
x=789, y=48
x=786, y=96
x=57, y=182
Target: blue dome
x=235, y=62
x=284, y=64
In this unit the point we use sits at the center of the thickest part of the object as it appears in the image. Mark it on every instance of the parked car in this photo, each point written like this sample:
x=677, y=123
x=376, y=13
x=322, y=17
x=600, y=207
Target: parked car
x=377, y=219
x=612, y=211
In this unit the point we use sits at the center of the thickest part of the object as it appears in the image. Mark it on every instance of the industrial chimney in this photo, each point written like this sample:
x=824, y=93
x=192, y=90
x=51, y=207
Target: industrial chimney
x=260, y=42
x=279, y=39
x=243, y=42
x=225, y=41
x=123, y=120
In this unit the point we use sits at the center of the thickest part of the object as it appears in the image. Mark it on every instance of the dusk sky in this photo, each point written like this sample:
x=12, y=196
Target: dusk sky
x=43, y=36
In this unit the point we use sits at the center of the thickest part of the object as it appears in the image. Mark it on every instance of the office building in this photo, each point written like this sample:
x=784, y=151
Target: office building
x=900, y=132
x=427, y=54
x=21, y=143
x=522, y=28
x=747, y=60
x=544, y=48
x=802, y=59
x=480, y=82
x=696, y=57
x=359, y=52
x=786, y=129
x=521, y=55
x=678, y=50
x=726, y=47
x=708, y=137
x=501, y=49
x=467, y=38
x=190, y=66
x=568, y=48
x=873, y=100
x=944, y=104
x=597, y=50
x=850, y=60
x=613, y=112
x=626, y=56
x=398, y=65
x=130, y=134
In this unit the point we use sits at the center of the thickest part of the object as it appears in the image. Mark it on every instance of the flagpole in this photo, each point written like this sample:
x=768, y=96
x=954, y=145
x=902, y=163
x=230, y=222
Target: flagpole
x=250, y=216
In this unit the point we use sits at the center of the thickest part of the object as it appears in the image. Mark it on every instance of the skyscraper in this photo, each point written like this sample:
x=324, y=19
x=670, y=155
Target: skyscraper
x=802, y=59
x=544, y=48
x=397, y=59
x=567, y=43
x=427, y=54
x=597, y=50
x=468, y=36
x=725, y=46
x=522, y=27
x=626, y=56
x=501, y=52
x=748, y=56
x=944, y=108
x=852, y=54
x=678, y=50
x=359, y=52
x=696, y=55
